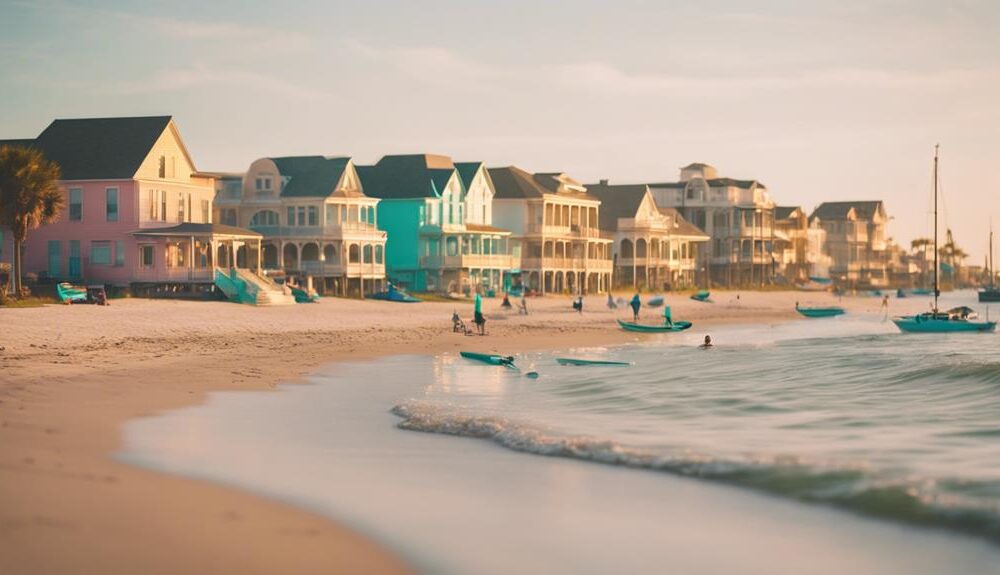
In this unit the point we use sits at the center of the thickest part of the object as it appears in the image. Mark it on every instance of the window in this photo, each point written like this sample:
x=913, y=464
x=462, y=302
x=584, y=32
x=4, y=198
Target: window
x=75, y=204
x=302, y=215
x=100, y=253
x=55, y=258
x=190, y=212
x=228, y=217
x=206, y=211
x=111, y=204
x=152, y=205
x=378, y=254
x=291, y=216
x=262, y=218
x=163, y=167
x=313, y=216
x=180, y=208
x=331, y=214
x=119, y=253
x=146, y=256
x=163, y=205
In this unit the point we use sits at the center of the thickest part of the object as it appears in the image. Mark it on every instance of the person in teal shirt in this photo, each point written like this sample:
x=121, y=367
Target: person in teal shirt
x=636, y=303
x=667, y=319
x=478, y=315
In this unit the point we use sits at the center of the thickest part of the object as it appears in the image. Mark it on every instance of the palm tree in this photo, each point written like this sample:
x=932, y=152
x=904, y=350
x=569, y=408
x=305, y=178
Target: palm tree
x=29, y=197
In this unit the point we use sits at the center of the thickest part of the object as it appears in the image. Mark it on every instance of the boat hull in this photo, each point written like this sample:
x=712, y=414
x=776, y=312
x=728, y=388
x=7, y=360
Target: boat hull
x=820, y=311
x=487, y=358
x=573, y=361
x=394, y=296
x=663, y=328
x=914, y=324
x=989, y=295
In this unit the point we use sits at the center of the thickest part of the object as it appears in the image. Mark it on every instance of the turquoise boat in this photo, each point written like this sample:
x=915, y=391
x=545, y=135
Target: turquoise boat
x=661, y=328
x=302, y=297
x=394, y=294
x=820, y=311
x=584, y=362
x=942, y=322
x=701, y=295
x=921, y=291
x=490, y=358
x=955, y=320
x=69, y=293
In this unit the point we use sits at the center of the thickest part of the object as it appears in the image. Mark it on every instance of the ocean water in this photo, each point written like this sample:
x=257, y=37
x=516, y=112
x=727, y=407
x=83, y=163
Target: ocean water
x=830, y=446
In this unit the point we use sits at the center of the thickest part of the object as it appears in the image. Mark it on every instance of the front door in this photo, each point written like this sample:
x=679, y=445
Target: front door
x=74, y=259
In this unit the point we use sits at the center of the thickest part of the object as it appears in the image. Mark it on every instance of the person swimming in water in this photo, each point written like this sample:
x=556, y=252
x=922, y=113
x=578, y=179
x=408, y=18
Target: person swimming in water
x=708, y=342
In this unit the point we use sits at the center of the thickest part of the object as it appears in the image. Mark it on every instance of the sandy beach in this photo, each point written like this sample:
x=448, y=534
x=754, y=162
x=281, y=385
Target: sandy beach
x=71, y=375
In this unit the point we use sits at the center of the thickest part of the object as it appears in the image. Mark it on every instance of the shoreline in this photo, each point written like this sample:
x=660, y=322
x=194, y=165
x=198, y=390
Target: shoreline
x=70, y=506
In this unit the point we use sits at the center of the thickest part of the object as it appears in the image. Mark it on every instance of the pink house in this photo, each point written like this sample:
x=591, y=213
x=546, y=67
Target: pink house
x=137, y=213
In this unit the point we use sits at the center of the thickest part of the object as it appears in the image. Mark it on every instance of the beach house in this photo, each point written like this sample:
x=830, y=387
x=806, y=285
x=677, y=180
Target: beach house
x=856, y=241
x=654, y=248
x=738, y=216
x=318, y=225
x=137, y=213
x=556, y=223
x=438, y=216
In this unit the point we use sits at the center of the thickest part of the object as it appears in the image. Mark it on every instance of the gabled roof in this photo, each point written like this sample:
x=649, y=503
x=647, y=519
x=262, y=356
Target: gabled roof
x=617, y=202
x=511, y=182
x=785, y=212
x=407, y=176
x=467, y=171
x=840, y=210
x=311, y=176
x=100, y=148
x=683, y=227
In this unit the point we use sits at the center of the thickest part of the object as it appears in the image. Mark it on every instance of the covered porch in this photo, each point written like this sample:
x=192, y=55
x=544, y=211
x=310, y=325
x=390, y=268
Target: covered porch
x=180, y=261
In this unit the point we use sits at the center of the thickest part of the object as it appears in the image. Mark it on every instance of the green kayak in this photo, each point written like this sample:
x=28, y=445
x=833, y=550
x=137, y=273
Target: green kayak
x=572, y=361
x=660, y=328
x=490, y=358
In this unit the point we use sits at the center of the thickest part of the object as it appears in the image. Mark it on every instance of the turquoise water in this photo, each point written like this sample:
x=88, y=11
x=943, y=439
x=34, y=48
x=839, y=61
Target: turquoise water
x=900, y=427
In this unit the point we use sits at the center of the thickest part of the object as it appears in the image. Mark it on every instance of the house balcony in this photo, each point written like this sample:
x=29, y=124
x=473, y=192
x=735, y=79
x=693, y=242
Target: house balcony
x=339, y=269
x=579, y=264
x=468, y=261
x=331, y=231
x=678, y=264
x=575, y=231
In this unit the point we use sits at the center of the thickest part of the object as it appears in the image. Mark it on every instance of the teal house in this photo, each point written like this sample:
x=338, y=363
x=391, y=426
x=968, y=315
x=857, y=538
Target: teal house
x=438, y=219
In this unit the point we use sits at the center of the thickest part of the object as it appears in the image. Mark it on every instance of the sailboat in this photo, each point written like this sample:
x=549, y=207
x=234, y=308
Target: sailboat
x=935, y=321
x=992, y=291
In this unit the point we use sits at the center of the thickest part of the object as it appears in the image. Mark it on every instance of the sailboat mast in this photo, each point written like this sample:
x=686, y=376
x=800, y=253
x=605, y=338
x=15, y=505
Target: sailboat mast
x=936, y=290
x=992, y=273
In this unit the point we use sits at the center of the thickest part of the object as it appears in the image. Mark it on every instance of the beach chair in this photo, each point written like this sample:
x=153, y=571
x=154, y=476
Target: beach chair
x=457, y=325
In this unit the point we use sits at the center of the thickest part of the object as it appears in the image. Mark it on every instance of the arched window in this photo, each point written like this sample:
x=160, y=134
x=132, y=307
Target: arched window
x=378, y=254
x=264, y=218
x=368, y=254
x=353, y=254
x=627, y=249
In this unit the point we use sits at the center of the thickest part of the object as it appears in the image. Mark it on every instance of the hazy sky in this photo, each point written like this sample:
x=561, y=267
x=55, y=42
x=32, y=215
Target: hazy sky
x=834, y=100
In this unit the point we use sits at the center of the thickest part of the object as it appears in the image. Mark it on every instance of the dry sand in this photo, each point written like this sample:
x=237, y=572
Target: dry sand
x=70, y=375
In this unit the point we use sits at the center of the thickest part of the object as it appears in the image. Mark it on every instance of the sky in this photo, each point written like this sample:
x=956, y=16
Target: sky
x=820, y=100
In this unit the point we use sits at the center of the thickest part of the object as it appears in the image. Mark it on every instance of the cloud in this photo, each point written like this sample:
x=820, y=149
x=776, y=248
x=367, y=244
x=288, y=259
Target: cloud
x=235, y=80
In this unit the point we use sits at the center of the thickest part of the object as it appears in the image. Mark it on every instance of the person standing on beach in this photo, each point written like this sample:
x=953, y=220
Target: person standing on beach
x=636, y=304
x=478, y=315
x=667, y=316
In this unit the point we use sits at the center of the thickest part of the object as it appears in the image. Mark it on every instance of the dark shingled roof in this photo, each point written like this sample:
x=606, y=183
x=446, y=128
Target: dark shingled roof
x=310, y=176
x=511, y=182
x=407, y=176
x=696, y=165
x=674, y=185
x=100, y=148
x=193, y=229
x=20, y=142
x=621, y=201
x=839, y=210
x=784, y=212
